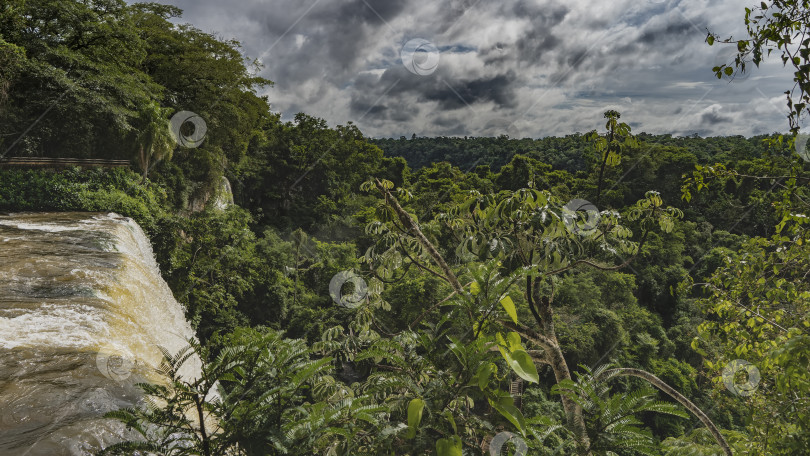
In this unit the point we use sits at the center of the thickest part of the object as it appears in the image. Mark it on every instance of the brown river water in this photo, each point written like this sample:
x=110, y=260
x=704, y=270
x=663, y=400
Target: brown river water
x=83, y=309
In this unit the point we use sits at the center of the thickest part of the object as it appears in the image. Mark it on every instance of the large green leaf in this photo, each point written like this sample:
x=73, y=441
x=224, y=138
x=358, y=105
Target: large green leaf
x=513, y=340
x=509, y=307
x=483, y=374
x=511, y=413
x=415, y=408
x=502, y=346
x=450, y=446
x=523, y=365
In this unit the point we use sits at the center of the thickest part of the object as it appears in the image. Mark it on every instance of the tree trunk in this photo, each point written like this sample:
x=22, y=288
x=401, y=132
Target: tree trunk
x=602, y=168
x=143, y=157
x=413, y=228
x=573, y=411
x=206, y=444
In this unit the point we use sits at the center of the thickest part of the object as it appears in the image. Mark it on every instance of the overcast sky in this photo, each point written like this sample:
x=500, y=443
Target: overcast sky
x=521, y=67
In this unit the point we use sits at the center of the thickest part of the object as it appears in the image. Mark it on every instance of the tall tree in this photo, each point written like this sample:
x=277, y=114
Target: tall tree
x=79, y=87
x=757, y=307
x=154, y=138
x=609, y=147
x=525, y=236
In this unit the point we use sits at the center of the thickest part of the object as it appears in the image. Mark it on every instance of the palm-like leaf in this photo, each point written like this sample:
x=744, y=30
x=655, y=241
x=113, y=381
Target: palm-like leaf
x=612, y=419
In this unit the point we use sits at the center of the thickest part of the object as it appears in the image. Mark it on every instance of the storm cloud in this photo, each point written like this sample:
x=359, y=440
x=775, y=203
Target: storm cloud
x=529, y=68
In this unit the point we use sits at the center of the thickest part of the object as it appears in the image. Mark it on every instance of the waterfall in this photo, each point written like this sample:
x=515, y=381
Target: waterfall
x=224, y=194
x=83, y=309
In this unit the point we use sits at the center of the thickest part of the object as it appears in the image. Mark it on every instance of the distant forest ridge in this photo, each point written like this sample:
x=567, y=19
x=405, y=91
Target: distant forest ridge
x=566, y=152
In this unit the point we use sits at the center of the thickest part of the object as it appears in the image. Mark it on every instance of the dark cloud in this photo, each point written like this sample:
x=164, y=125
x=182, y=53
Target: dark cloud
x=544, y=15
x=671, y=33
x=460, y=94
x=548, y=67
x=714, y=118
x=535, y=44
x=362, y=107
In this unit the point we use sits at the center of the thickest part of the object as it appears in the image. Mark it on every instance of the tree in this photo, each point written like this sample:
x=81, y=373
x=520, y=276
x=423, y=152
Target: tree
x=610, y=146
x=757, y=309
x=303, y=172
x=612, y=420
x=526, y=235
x=81, y=68
x=11, y=59
x=154, y=138
x=757, y=314
x=177, y=416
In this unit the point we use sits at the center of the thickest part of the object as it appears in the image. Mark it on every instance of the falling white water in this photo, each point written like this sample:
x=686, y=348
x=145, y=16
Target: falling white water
x=224, y=194
x=83, y=309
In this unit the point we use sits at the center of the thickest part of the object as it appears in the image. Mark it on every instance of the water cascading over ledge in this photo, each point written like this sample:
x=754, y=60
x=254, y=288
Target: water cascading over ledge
x=83, y=309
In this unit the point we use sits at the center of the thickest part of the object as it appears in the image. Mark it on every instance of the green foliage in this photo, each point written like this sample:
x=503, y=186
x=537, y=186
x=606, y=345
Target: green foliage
x=758, y=310
x=301, y=172
x=700, y=443
x=415, y=408
x=482, y=274
x=116, y=190
x=176, y=416
x=67, y=70
x=491, y=153
x=610, y=147
x=154, y=138
x=59, y=62
x=254, y=397
x=613, y=423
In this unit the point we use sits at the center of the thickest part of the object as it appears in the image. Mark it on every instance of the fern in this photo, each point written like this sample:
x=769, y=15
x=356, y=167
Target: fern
x=612, y=419
x=256, y=397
